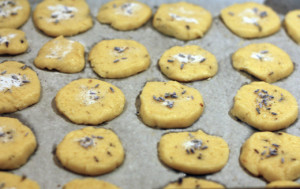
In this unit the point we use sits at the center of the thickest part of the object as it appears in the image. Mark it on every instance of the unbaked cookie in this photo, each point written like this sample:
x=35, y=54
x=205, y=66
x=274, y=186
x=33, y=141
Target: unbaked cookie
x=12, y=41
x=61, y=54
x=17, y=143
x=12, y=181
x=193, y=152
x=265, y=61
x=91, y=151
x=62, y=17
x=14, y=13
x=251, y=20
x=119, y=58
x=170, y=105
x=275, y=156
x=192, y=183
x=188, y=63
x=292, y=24
x=182, y=20
x=124, y=14
x=19, y=87
x=89, y=183
x=90, y=101
x=283, y=184
x=265, y=107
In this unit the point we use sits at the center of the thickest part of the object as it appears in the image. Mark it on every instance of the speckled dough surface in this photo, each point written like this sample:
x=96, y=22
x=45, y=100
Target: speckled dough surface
x=265, y=61
x=14, y=13
x=62, y=17
x=12, y=41
x=170, y=105
x=17, y=143
x=190, y=183
x=90, y=101
x=62, y=55
x=274, y=156
x=193, y=152
x=292, y=24
x=12, y=181
x=182, y=20
x=265, y=106
x=251, y=20
x=119, y=58
x=283, y=184
x=124, y=14
x=19, y=87
x=91, y=151
x=89, y=183
x=188, y=63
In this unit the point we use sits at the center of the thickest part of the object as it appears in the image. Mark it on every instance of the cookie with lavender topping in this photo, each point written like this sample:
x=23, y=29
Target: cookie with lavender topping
x=265, y=61
x=283, y=184
x=90, y=151
x=19, y=87
x=170, y=105
x=89, y=183
x=190, y=182
x=62, y=55
x=182, y=20
x=292, y=24
x=251, y=20
x=17, y=143
x=124, y=14
x=14, y=13
x=12, y=181
x=119, y=58
x=62, y=17
x=90, y=101
x=188, y=63
x=265, y=106
x=12, y=41
x=274, y=156
x=193, y=152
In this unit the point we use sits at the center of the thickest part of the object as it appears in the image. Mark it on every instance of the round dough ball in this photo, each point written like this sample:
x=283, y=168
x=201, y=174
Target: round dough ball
x=292, y=24
x=89, y=183
x=283, y=184
x=190, y=182
x=10, y=181
x=12, y=41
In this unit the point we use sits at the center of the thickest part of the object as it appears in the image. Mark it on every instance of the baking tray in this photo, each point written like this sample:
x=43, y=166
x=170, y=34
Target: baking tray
x=141, y=167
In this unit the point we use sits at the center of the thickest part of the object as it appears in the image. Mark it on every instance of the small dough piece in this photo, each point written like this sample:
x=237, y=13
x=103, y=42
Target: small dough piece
x=90, y=101
x=251, y=20
x=62, y=17
x=292, y=24
x=17, y=143
x=170, y=105
x=275, y=156
x=12, y=181
x=19, y=87
x=191, y=183
x=61, y=54
x=193, y=152
x=184, y=21
x=188, y=63
x=14, y=13
x=124, y=14
x=265, y=106
x=12, y=41
x=89, y=183
x=119, y=58
x=265, y=61
x=283, y=184
x=91, y=151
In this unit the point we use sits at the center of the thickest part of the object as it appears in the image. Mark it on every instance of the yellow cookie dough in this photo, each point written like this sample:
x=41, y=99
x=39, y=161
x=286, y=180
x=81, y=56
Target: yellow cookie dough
x=119, y=58
x=12, y=181
x=89, y=183
x=12, y=41
x=13, y=13
x=17, y=143
x=265, y=107
x=19, y=87
x=124, y=14
x=265, y=61
x=283, y=184
x=251, y=20
x=170, y=105
x=61, y=54
x=90, y=101
x=62, y=17
x=292, y=24
x=274, y=156
x=193, y=152
x=91, y=151
x=192, y=183
x=182, y=20
x=188, y=63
